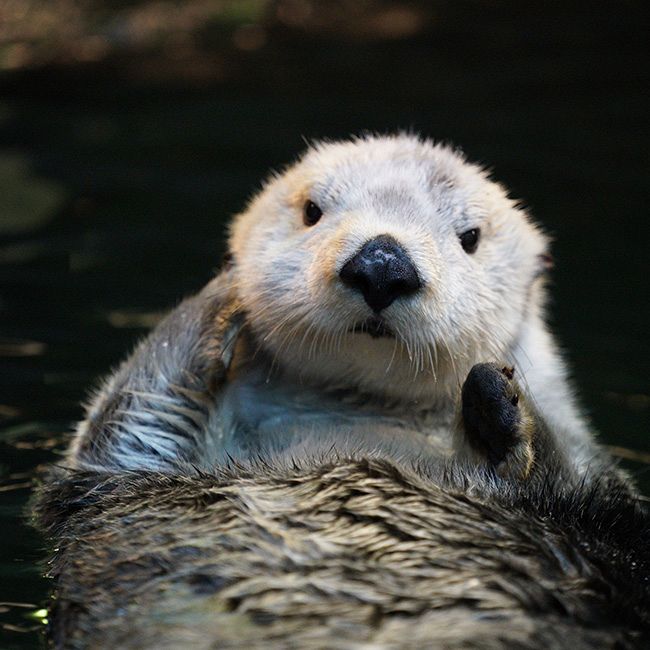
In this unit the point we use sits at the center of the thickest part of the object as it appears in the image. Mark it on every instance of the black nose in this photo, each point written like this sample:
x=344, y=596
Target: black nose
x=382, y=272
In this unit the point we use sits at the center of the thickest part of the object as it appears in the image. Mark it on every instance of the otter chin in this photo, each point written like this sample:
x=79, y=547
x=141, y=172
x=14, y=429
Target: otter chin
x=374, y=327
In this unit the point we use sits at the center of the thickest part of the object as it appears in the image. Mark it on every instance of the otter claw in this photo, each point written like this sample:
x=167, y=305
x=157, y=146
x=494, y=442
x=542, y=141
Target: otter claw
x=508, y=371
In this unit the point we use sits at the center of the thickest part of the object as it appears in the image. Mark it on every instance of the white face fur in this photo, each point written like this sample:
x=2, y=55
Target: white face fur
x=470, y=308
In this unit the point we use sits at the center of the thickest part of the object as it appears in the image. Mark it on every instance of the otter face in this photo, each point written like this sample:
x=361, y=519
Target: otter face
x=387, y=263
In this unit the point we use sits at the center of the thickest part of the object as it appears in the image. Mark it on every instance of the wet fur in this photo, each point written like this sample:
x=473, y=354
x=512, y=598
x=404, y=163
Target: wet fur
x=338, y=552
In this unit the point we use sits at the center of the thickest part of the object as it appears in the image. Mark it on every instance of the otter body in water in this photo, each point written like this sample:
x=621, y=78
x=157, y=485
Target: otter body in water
x=365, y=282
x=328, y=447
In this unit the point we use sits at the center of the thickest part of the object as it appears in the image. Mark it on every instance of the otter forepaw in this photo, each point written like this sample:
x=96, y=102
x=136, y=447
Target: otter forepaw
x=494, y=424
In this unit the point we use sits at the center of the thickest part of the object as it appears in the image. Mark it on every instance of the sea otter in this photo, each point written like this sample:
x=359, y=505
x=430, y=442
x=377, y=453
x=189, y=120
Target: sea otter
x=359, y=434
x=364, y=283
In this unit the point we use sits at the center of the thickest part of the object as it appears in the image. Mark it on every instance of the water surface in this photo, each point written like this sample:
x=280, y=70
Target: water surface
x=114, y=194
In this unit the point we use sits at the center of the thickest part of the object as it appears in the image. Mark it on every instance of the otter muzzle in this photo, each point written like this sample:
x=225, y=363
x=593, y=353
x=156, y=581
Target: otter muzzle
x=381, y=271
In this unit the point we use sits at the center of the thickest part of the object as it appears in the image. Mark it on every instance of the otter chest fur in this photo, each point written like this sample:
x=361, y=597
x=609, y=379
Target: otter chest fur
x=262, y=413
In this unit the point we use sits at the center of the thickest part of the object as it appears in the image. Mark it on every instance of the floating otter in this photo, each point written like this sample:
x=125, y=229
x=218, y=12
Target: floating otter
x=365, y=282
x=289, y=458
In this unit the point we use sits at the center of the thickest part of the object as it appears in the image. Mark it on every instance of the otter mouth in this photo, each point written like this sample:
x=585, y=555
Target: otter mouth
x=375, y=327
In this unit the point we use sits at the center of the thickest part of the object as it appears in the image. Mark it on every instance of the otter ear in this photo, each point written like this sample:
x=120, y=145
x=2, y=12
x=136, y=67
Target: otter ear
x=544, y=264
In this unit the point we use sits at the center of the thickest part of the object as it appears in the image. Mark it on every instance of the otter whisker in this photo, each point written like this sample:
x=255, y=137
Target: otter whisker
x=392, y=356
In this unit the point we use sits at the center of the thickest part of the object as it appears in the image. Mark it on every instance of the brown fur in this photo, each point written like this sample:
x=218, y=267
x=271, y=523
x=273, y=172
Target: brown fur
x=340, y=554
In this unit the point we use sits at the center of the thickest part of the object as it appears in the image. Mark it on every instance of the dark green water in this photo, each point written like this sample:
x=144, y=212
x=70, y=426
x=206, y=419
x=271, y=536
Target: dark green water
x=114, y=196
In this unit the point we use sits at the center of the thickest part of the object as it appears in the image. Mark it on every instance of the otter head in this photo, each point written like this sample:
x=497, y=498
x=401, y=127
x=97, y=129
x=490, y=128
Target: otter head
x=385, y=263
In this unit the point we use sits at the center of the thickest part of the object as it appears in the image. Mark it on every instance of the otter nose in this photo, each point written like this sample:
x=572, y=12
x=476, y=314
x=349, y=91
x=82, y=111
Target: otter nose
x=381, y=271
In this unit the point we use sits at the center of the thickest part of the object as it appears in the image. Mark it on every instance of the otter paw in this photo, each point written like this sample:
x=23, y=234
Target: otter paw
x=495, y=426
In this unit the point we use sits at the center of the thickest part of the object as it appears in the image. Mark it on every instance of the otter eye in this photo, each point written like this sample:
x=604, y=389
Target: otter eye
x=469, y=240
x=311, y=213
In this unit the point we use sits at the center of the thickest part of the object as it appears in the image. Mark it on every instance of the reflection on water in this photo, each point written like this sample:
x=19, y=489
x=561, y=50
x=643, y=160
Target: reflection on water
x=114, y=196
